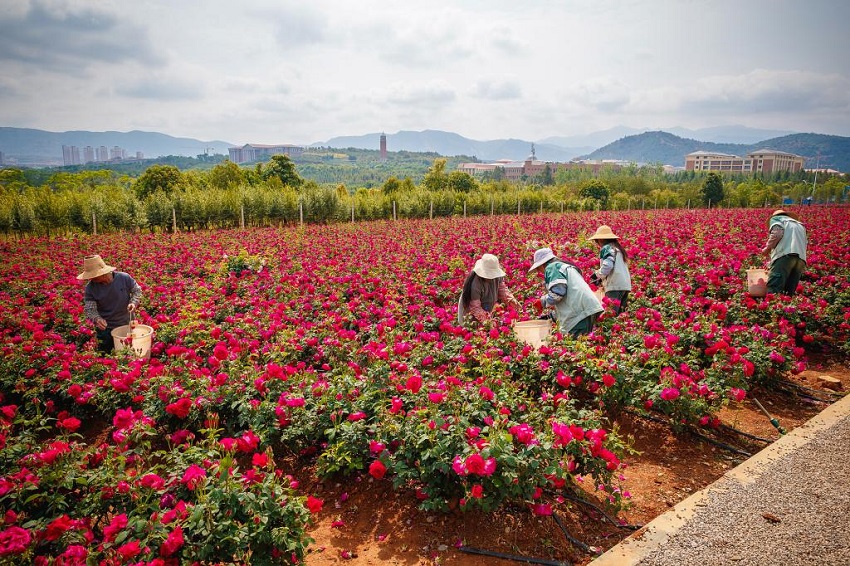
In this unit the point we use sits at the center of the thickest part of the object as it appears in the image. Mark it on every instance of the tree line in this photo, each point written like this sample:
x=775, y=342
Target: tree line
x=164, y=198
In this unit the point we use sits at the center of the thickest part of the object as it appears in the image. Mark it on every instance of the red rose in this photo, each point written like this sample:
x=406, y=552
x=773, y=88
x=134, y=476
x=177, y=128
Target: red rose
x=14, y=540
x=377, y=469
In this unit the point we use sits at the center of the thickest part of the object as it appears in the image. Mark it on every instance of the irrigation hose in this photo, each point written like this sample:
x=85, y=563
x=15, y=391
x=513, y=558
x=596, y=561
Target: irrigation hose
x=514, y=557
x=599, y=510
x=809, y=389
x=746, y=434
x=585, y=547
x=720, y=444
x=695, y=433
x=772, y=420
x=803, y=395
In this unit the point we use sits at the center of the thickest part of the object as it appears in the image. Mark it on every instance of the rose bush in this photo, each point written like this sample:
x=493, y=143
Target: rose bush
x=338, y=346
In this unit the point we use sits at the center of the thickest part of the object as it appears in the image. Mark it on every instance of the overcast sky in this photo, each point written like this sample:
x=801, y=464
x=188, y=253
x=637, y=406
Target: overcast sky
x=300, y=72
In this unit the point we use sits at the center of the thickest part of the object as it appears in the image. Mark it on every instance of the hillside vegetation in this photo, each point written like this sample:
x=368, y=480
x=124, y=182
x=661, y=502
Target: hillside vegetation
x=164, y=198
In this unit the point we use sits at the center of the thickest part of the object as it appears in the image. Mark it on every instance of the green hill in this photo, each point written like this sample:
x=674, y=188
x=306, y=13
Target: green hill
x=661, y=147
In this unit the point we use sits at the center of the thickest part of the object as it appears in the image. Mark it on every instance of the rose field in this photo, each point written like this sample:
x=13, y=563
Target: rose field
x=300, y=373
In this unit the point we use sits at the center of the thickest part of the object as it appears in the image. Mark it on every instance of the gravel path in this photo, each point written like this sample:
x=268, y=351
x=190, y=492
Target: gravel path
x=796, y=512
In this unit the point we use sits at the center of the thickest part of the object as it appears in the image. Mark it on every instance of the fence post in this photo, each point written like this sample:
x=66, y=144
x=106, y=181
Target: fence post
x=352, y=212
x=394, y=210
x=94, y=223
x=518, y=206
x=173, y=221
x=431, y=213
x=464, y=209
x=689, y=204
x=709, y=204
x=492, y=200
x=541, y=206
x=562, y=207
x=301, y=212
x=242, y=217
x=642, y=203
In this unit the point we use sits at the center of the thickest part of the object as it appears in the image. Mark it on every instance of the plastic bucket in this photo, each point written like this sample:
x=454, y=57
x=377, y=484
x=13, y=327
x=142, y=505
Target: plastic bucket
x=533, y=332
x=138, y=338
x=757, y=282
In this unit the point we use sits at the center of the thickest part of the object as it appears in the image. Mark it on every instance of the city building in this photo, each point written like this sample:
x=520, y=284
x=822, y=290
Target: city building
x=102, y=154
x=88, y=154
x=117, y=153
x=761, y=161
x=383, y=147
x=533, y=167
x=70, y=155
x=2, y=159
x=255, y=152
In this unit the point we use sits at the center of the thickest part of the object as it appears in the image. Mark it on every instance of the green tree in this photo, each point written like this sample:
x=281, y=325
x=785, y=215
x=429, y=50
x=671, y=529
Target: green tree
x=225, y=175
x=436, y=178
x=546, y=178
x=165, y=178
x=391, y=186
x=13, y=179
x=282, y=167
x=597, y=190
x=712, y=189
x=461, y=182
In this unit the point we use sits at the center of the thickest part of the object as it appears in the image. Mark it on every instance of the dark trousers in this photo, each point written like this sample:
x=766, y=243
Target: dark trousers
x=622, y=296
x=584, y=326
x=785, y=274
x=105, y=343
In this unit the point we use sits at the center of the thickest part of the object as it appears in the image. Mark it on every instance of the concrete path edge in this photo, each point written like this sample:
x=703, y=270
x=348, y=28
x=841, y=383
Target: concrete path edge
x=653, y=535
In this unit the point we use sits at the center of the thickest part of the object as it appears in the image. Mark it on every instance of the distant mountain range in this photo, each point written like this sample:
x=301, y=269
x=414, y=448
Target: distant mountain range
x=662, y=147
x=38, y=147
x=448, y=143
x=30, y=147
x=643, y=147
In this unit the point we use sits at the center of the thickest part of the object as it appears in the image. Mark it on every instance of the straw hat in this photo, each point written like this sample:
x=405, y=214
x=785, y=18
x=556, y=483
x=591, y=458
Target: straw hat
x=541, y=256
x=781, y=212
x=604, y=233
x=488, y=267
x=94, y=266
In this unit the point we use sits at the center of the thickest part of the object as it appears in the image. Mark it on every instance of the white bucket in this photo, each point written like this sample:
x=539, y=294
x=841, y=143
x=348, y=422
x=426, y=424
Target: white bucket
x=757, y=282
x=138, y=337
x=533, y=332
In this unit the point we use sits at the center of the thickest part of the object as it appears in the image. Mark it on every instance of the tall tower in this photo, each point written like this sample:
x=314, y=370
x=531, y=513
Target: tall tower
x=383, y=146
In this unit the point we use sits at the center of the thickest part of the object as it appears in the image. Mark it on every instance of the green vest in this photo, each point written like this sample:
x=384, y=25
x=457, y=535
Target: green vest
x=793, y=240
x=619, y=279
x=578, y=303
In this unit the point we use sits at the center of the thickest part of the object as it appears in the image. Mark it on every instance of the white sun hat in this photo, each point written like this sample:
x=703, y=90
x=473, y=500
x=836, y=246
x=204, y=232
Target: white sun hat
x=541, y=256
x=488, y=267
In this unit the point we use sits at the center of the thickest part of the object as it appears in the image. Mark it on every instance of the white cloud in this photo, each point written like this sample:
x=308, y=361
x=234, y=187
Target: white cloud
x=497, y=89
x=429, y=95
x=278, y=72
x=69, y=37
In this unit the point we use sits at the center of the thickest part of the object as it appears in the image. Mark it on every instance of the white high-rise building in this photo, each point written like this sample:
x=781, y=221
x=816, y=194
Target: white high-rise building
x=88, y=154
x=117, y=153
x=70, y=155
